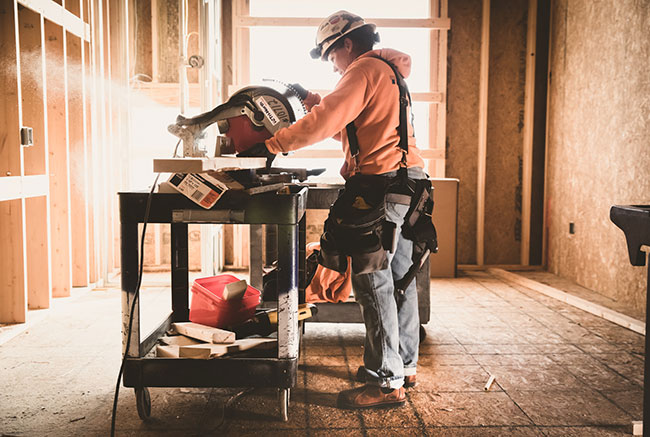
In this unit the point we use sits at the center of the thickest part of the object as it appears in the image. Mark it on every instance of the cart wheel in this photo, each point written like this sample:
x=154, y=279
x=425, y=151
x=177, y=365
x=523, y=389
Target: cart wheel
x=284, y=403
x=423, y=333
x=143, y=402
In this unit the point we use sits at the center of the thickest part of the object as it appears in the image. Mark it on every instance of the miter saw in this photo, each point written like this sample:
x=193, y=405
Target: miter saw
x=249, y=117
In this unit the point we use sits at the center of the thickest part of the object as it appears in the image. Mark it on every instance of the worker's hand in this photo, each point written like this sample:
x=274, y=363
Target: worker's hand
x=259, y=150
x=302, y=92
x=308, y=98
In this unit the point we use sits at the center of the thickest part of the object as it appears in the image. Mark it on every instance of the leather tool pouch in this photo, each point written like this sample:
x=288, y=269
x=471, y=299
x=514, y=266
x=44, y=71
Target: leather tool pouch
x=418, y=226
x=357, y=227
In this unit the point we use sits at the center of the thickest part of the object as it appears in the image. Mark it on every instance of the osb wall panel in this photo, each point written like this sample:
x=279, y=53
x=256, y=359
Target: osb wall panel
x=167, y=41
x=463, y=65
x=506, y=81
x=598, y=150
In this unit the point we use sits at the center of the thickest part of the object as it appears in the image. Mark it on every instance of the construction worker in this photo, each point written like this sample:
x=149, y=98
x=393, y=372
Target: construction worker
x=367, y=96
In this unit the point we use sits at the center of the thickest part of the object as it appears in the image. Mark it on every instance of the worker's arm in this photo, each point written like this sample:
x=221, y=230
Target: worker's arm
x=327, y=118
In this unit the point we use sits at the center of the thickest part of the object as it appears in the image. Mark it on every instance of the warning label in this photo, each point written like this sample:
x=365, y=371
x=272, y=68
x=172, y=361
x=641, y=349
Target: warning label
x=266, y=109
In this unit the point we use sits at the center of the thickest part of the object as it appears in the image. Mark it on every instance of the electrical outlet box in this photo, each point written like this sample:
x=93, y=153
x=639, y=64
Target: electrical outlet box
x=26, y=136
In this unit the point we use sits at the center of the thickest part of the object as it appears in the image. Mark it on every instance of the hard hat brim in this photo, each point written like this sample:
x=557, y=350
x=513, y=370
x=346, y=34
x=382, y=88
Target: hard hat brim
x=317, y=51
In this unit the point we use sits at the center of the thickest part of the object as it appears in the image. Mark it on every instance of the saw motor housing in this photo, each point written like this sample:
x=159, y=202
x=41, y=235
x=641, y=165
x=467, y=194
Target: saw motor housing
x=252, y=115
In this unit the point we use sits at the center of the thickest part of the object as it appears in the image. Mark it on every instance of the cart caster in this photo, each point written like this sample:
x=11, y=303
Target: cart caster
x=143, y=402
x=423, y=333
x=285, y=394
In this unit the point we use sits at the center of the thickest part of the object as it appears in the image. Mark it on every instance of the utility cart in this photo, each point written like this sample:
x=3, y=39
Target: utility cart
x=275, y=369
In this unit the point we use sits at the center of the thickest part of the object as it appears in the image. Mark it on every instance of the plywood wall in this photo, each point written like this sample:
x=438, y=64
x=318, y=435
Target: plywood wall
x=506, y=60
x=462, y=117
x=598, y=147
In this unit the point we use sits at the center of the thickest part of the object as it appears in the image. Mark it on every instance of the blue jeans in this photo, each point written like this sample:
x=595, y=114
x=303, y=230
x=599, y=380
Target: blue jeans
x=392, y=320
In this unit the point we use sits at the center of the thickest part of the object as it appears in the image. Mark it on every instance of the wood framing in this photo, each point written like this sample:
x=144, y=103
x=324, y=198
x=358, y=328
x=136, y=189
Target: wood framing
x=57, y=117
x=529, y=110
x=48, y=56
x=13, y=299
x=57, y=14
x=426, y=23
x=482, y=133
x=37, y=248
x=16, y=187
x=77, y=153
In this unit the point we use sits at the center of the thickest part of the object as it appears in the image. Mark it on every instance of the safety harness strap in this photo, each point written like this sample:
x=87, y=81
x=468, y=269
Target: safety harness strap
x=404, y=102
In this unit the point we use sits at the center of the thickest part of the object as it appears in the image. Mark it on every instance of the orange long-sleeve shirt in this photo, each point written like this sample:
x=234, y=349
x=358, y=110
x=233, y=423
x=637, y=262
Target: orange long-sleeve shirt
x=368, y=94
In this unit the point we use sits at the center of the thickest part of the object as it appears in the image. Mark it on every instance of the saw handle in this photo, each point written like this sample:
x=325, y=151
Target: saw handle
x=302, y=92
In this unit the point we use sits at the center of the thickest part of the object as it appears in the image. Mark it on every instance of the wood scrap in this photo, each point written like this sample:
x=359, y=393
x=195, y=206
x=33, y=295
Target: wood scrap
x=204, y=333
x=234, y=290
x=203, y=351
x=489, y=382
x=179, y=340
x=167, y=351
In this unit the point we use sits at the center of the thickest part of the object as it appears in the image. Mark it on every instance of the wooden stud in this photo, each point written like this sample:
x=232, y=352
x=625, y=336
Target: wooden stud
x=227, y=48
x=37, y=253
x=31, y=60
x=529, y=112
x=10, y=159
x=78, y=185
x=155, y=48
x=546, y=141
x=578, y=302
x=55, y=70
x=482, y=132
x=441, y=87
x=13, y=298
x=35, y=161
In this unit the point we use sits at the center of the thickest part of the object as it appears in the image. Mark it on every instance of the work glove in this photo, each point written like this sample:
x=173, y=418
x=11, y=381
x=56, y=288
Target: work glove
x=258, y=150
x=308, y=98
x=302, y=92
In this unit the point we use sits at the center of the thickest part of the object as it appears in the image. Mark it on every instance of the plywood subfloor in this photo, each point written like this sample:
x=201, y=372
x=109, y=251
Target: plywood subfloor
x=559, y=371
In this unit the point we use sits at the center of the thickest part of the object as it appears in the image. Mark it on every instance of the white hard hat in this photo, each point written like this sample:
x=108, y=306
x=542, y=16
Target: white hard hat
x=334, y=27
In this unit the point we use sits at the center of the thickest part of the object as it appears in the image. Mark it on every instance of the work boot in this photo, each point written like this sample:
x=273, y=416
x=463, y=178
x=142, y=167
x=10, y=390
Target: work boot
x=368, y=396
x=361, y=374
x=409, y=381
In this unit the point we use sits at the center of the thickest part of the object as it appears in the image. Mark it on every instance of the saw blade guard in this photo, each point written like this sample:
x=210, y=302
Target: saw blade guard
x=251, y=115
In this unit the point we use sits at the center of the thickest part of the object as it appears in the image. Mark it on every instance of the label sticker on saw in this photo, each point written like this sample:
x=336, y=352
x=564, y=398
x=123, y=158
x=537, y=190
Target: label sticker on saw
x=266, y=109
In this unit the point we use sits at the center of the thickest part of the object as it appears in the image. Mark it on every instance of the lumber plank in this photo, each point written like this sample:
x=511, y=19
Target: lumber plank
x=529, y=109
x=179, y=340
x=482, y=133
x=204, y=333
x=57, y=116
x=77, y=164
x=203, y=351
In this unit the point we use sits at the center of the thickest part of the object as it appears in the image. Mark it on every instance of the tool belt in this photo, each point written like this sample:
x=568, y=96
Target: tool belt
x=357, y=227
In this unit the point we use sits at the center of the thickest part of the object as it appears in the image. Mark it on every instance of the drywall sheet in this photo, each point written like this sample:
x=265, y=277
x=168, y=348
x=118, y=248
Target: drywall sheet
x=505, y=124
x=462, y=117
x=598, y=149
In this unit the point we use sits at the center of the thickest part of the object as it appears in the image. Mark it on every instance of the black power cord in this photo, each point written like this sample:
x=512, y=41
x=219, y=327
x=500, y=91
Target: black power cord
x=135, y=299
